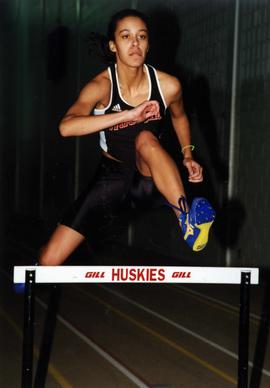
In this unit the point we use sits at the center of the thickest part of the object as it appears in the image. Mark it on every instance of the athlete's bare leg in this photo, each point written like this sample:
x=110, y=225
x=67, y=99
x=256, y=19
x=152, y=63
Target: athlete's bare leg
x=153, y=160
x=62, y=243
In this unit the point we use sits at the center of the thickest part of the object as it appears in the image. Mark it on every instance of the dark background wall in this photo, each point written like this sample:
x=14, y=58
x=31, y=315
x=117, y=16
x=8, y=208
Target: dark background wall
x=252, y=159
x=45, y=63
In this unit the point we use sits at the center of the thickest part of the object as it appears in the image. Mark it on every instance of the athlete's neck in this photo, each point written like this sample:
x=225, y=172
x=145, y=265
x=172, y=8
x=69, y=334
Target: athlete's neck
x=131, y=79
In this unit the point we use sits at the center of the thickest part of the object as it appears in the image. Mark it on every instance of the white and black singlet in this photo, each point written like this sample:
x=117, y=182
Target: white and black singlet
x=117, y=186
x=119, y=140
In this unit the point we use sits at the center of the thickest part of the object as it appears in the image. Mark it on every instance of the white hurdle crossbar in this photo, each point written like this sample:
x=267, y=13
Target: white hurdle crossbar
x=30, y=275
x=133, y=274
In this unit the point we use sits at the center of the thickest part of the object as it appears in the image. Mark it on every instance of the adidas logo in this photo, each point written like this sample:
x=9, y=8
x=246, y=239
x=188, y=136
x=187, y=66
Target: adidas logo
x=116, y=108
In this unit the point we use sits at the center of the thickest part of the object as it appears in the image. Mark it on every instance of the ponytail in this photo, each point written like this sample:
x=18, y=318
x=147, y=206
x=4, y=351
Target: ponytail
x=98, y=45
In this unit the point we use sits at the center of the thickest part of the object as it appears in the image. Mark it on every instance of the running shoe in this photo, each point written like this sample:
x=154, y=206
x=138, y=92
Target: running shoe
x=196, y=222
x=19, y=288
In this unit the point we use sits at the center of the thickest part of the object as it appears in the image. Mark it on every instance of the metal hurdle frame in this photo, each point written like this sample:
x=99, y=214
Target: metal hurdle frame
x=108, y=274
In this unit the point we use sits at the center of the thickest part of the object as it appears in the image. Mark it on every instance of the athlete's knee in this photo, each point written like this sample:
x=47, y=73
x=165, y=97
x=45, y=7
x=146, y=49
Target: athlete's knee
x=146, y=140
x=46, y=256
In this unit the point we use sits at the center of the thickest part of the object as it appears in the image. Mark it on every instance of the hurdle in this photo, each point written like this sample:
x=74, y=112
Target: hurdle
x=135, y=274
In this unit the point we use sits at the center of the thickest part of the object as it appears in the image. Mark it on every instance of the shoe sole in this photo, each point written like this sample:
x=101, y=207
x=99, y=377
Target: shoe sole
x=205, y=219
x=202, y=238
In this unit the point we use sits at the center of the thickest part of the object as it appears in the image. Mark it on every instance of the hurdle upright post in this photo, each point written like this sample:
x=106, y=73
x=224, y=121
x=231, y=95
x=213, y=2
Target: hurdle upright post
x=243, y=348
x=28, y=329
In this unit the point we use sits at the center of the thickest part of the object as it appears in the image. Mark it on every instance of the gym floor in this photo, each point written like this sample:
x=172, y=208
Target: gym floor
x=110, y=336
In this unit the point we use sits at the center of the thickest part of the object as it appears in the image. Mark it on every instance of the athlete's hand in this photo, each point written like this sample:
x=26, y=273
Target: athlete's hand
x=144, y=111
x=194, y=169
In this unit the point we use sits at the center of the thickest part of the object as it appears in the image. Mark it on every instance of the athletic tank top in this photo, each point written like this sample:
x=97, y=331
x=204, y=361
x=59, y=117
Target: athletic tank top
x=119, y=140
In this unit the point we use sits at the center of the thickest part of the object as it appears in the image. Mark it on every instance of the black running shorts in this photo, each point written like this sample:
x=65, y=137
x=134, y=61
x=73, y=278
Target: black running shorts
x=115, y=189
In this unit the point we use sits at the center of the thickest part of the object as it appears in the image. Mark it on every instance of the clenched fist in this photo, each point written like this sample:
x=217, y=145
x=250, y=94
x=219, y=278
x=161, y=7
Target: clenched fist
x=144, y=111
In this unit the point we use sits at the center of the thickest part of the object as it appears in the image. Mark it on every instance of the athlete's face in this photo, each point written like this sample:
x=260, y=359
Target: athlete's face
x=131, y=41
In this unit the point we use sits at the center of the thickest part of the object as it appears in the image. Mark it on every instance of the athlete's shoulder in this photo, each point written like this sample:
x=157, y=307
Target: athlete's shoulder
x=97, y=86
x=100, y=80
x=169, y=82
x=170, y=85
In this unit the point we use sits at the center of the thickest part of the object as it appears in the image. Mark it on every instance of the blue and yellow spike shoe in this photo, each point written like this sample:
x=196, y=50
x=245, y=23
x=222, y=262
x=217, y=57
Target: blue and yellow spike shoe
x=196, y=222
x=19, y=288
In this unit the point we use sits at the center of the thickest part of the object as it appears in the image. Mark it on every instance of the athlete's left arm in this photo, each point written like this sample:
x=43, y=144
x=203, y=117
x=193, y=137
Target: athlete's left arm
x=173, y=95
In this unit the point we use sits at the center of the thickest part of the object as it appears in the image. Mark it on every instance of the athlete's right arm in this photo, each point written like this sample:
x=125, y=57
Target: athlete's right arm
x=78, y=121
